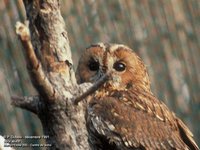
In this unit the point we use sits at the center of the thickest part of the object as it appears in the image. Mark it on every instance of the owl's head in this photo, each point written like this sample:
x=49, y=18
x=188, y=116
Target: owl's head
x=126, y=67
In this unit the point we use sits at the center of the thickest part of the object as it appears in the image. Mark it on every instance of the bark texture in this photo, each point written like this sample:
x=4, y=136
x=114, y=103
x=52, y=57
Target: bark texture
x=48, y=57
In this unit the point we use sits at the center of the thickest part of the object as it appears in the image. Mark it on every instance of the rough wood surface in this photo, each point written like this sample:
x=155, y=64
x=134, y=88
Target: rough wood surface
x=49, y=63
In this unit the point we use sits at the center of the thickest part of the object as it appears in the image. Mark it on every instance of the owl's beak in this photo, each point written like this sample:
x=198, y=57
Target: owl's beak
x=100, y=73
x=97, y=76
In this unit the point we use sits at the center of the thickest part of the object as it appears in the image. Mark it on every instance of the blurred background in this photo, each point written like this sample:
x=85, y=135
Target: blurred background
x=165, y=33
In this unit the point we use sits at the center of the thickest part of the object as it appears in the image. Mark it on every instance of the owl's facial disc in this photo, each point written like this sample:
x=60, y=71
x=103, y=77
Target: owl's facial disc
x=98, y=68
x=125, y=66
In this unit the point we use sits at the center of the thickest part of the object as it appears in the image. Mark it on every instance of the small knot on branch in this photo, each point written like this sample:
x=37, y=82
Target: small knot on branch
x=23, y=31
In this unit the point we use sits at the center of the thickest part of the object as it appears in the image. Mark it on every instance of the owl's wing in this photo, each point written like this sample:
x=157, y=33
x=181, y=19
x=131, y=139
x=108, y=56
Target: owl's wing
x=187, y=135
x=133, y=119
x=159, y=110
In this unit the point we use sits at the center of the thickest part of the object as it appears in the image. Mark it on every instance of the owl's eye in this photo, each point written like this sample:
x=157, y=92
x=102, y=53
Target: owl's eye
x=93, y=65
x=119, y=66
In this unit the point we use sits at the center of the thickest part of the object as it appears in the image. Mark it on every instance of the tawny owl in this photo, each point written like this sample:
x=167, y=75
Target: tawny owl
x=123, y=114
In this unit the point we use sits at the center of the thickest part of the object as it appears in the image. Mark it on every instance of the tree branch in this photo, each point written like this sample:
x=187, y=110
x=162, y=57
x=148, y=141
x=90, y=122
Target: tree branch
x=92, y=89
x=30, y=103
x=48, y=56
x=33, y=64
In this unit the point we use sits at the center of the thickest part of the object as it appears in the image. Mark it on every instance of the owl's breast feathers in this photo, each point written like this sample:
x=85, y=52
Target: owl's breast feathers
x=134, y=119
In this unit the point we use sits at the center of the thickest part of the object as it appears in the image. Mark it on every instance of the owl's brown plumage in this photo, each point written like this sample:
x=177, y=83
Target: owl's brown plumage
x=123, y=114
